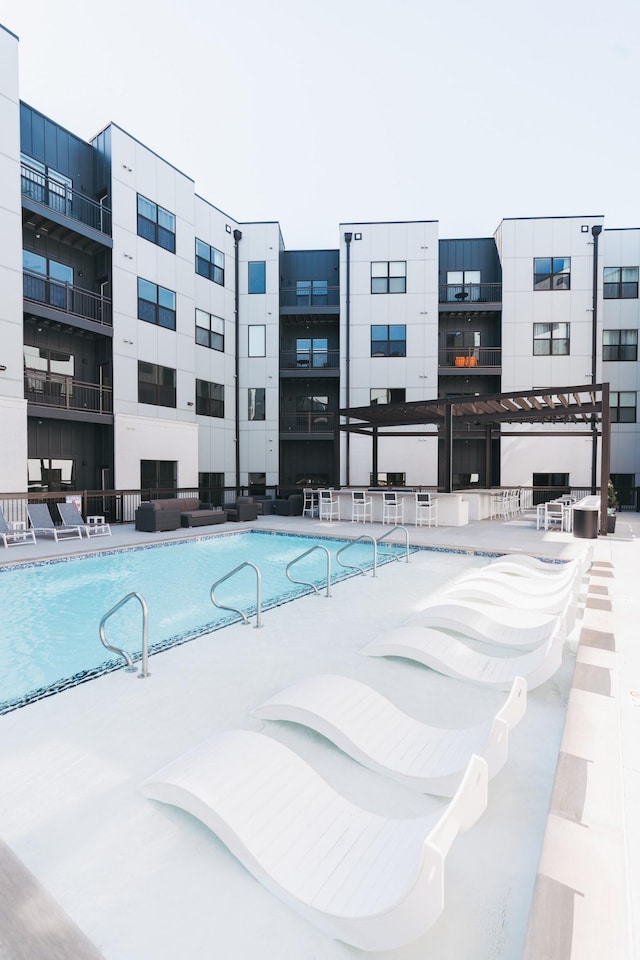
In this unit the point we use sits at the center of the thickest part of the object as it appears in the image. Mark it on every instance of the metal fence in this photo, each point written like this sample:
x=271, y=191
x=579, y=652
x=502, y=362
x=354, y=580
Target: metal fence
x=68, y=298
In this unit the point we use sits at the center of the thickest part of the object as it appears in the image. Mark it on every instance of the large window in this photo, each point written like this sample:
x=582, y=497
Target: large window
x=209, y=262
x=45, y=475
x=209, y=399
x=310, y=292
x=211, y=488
x=388, y=479
x=47, y=280
x=620, y=345
x=312, y=413
x=257, y=276
x=389, y=276
x=623, y=406
x=256, y=405
x=51, y=362
x=159, y=475
x=156, y=224
x=257, y=345
x=552, y=273
x=390, y=395
x=463, y=285
x=209, y=331
x=620, y=283
x=312, y=352
x=550, y=339
x=46, y=185
x=156, y=385
x=156, y=304
x=389, y=340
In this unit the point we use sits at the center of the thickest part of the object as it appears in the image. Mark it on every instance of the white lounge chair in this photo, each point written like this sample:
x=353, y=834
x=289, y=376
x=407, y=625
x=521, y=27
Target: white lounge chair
x=454, y=658
x=504, y=626
x=525, y=595
x=71, y=517
x=380, y=736
x=523, y=565
x=13, y=538
x=41, y=522
x=374, y=882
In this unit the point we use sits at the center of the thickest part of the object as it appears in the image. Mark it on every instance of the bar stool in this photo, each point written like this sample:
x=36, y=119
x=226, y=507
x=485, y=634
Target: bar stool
x=361, y=507
x=329, y=505
x=426, y=510
x=392, y=508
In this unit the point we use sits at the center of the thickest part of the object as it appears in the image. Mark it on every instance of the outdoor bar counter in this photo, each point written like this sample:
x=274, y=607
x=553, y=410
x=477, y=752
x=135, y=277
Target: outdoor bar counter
x=453, y=508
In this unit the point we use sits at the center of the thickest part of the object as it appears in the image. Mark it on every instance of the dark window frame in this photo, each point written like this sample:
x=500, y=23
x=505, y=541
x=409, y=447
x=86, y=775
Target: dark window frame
x=394, y=395
x=210, y=262
x=553, y=343
x=210, y=399
x=163, y=393
x=256, y=276
x=259, y=404
x=388, y=280
x=616, y=351
x=557, y=276
x=154, y=230
x=153, y=311
x=619, y=289
x=207, y=336
x=616, y=408
x=384, y=346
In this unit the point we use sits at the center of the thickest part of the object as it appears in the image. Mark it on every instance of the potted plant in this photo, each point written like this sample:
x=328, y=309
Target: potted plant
x=612, y=505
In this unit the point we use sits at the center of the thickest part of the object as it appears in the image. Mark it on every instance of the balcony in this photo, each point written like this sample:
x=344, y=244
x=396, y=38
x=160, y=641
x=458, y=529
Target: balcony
x=67, y=298
x=309, y=362
x=464, y=359
x=470, y=294
x=307, y=422
x=55, y=194
x=65, y=393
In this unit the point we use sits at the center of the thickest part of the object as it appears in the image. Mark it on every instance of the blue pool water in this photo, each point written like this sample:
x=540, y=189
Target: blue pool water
x=50, y=612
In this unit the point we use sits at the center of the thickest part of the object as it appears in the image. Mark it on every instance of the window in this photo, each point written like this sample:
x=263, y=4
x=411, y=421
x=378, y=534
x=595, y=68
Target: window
x=388, y=340
x=312, y=352
x=623, y=406
x=46, y=185
x=387, y=479
x=550, y=339
x=257, y=483
x=389, y=276
x=392, y=395
x=159, y=475
x=552, y=273
x=257, y=276
x=620, y=283
x=156, y=224
x=257, y=340
x=46, y=280
x=156, y=304
x=48, y=361
x=156, y=385
x=209, y=399
x=209, y=331
x=312, y=413
x=463, y=285
x=50, y=475
x=620, y=345
x=624, y=485
x=256, y=408
x=209, y=262
x=310, y=292
x=211, y=488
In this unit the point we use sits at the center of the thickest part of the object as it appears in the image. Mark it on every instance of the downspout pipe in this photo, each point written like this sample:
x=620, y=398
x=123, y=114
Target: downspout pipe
x=596, y=230
x=237, y=237
x=347, y=347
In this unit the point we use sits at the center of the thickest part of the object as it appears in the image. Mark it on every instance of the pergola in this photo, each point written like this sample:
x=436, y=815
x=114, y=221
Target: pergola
x=584, y=408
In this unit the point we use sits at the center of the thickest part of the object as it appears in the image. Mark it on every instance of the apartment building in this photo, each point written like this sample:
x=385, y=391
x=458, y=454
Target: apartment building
x=150, y=340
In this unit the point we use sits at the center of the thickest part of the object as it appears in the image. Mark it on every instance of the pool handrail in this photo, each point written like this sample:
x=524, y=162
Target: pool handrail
x=222, y=606
x=406, y=541
x=355, y=566
x=130, y=668
x=307, y=583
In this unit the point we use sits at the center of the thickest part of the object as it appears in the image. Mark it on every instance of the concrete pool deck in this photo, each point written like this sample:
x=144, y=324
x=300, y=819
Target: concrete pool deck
x=71, y=813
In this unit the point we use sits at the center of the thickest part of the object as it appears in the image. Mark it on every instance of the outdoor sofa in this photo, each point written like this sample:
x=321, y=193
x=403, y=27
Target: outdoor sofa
x=155, y=515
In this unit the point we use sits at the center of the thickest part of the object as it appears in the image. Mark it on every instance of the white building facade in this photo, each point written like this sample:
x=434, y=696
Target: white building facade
x=150, y=342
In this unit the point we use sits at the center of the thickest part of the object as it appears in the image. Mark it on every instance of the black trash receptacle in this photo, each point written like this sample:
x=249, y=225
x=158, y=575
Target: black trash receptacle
x=585, y=522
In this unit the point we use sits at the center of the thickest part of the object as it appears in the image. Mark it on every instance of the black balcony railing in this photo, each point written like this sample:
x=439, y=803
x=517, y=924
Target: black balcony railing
x=466, y=293
x=66, y=297
x=311, y=421
x=53, y=390
x=62, y=198
x=310, y=296
x=309, y=359
x=469, y=357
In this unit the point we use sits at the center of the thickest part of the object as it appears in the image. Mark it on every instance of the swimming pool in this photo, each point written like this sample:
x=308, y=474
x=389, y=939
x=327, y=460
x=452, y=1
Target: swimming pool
x=50, y=612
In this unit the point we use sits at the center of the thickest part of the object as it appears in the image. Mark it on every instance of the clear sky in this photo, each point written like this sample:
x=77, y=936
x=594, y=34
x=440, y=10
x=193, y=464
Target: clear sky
x=313, y=113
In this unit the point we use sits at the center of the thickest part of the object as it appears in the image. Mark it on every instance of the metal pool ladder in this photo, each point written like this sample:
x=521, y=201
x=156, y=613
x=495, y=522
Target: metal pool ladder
x=307, y=583
x=368, y=537
x=245, y=619
x=130, y=668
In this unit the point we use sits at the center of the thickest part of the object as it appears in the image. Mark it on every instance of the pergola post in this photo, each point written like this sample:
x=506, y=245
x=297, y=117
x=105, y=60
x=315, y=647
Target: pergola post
x=487, y=455
x=448, y=447
x=605, y=458
x=374, y=454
